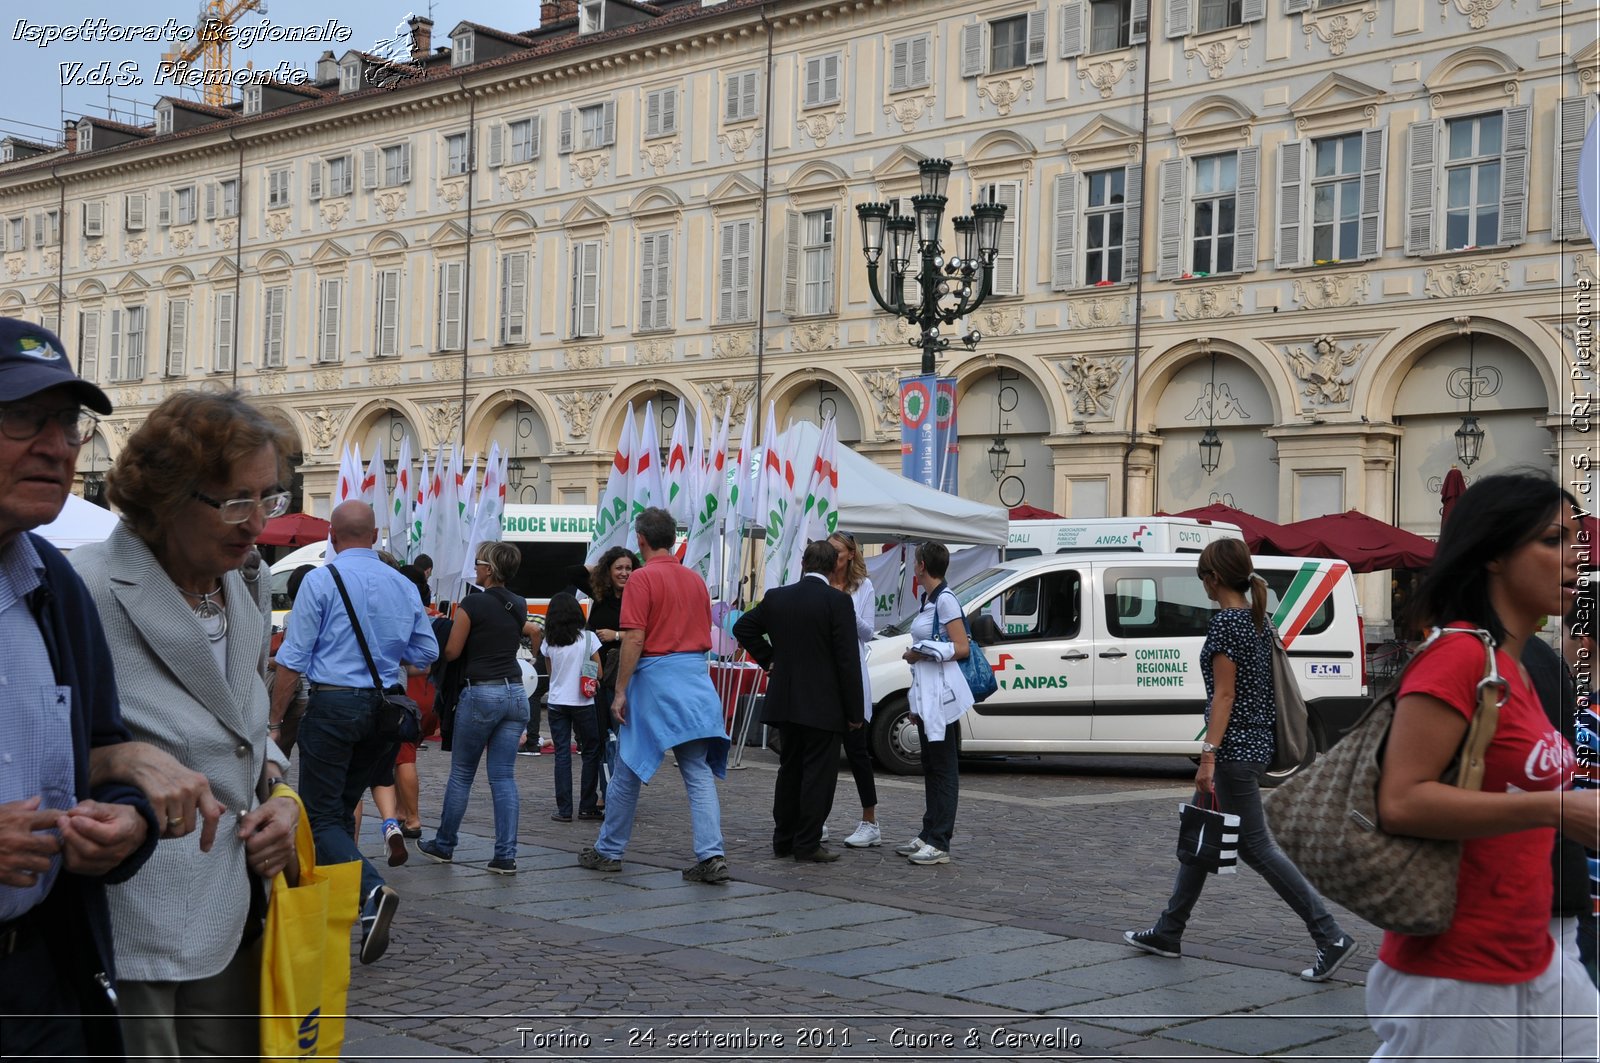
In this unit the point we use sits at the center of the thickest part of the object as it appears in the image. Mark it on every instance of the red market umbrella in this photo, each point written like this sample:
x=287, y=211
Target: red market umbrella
x=1260, y=535
x=1026, y=512
x=1364, y=543
x=1449, y=491
x=294, y=529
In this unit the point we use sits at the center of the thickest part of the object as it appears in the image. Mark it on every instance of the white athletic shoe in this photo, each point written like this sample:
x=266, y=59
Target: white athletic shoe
x=866, y=834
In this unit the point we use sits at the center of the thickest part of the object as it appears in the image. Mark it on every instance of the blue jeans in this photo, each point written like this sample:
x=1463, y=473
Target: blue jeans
x=492, y=718
x=564, y=719
x=705, y=814
x=1239, y=792
x=340, y=757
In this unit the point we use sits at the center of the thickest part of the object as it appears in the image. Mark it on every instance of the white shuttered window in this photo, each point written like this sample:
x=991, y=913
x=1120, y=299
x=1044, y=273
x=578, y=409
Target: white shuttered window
x=386, y=316
x=222, y=322
x=513, y=297
x=655, y=281
x=452, y=335
x=274, y=315
x=585, y=319
x=177, y=337
x=329, y=303
x=733, y=271
x=1008, y=260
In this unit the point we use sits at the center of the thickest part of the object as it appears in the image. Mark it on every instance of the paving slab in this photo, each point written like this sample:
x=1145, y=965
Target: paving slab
x=1002, y=938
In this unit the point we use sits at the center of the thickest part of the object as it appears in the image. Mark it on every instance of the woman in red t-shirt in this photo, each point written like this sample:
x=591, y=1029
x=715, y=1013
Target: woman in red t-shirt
x=1493, y=985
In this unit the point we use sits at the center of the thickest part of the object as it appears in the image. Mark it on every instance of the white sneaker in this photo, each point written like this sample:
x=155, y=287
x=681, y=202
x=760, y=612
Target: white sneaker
x=912, y=846
x=866, y=834
x=929, y=855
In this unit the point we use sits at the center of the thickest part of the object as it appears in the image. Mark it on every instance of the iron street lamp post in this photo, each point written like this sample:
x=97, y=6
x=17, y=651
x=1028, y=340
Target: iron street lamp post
x=947, y=289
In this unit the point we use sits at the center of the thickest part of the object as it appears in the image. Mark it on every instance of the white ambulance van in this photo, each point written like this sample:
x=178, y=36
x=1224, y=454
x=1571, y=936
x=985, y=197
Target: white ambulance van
x=1100, y=653
x=1148, y=535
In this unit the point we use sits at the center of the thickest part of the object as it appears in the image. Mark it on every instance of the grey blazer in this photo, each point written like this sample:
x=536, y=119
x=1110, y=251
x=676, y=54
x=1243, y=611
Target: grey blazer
x=182, y=916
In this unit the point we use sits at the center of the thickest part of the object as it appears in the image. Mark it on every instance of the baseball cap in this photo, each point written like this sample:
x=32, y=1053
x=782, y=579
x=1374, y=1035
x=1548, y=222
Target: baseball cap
x=32, y=360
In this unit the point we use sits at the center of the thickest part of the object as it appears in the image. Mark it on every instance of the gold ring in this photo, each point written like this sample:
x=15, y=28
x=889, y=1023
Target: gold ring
x=173, y=824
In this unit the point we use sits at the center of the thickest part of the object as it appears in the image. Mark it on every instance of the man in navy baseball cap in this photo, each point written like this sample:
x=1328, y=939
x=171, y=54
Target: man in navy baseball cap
x=32, y=360
x=64, y=835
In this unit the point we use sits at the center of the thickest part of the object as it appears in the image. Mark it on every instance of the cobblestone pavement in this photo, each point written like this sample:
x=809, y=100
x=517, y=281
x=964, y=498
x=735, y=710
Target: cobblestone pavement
x=1013, y=950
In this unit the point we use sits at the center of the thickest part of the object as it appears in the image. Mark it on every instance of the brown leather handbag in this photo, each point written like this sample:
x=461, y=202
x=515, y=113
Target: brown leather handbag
x=1326, y=817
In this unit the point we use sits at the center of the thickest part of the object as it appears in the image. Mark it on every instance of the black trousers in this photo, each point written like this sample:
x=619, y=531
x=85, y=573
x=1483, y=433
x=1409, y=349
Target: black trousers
x=941, y=785
x=44, y=1012
x=808, y=771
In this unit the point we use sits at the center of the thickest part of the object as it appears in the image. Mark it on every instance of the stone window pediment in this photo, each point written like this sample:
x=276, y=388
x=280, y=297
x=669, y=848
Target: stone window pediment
x=735, y=192
x=1473, y=79
x=657, y=205
x=131, y=283
x=1337, y=102
x=586, y=219
x=1103, y=142
x=1214, y=123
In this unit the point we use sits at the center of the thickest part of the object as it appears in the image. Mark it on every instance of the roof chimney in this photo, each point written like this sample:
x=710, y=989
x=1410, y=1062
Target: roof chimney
x=71, y=131
x=556, y=10
x=421, y=37
x=327, y=68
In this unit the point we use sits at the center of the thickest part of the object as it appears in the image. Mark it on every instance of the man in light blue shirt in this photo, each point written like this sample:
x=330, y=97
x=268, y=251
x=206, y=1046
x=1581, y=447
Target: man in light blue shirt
x=341, y=752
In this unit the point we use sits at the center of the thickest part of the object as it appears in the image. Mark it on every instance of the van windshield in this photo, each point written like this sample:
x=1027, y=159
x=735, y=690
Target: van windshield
x=974, y=589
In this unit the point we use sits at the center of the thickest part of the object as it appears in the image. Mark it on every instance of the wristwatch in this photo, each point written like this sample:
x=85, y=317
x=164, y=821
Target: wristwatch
x=1207, y=747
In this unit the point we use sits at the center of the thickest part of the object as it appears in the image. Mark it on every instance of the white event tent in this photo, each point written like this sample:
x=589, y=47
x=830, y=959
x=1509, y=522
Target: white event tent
x=79, y=524
x=876, y=505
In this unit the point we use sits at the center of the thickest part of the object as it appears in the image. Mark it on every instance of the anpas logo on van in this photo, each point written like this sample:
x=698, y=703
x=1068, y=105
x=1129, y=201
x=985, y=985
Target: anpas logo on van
x=1012, y=676
x=1325, y=670
x=1159, y=668
x=1082, y=536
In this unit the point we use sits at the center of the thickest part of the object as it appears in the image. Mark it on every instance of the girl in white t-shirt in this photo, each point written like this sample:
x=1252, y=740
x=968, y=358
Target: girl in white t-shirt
x=568, y=646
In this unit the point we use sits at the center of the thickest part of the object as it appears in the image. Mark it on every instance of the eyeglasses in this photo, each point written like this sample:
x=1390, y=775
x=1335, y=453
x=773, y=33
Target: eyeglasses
x=485, y=564
x=239, y=510
x=24, y=421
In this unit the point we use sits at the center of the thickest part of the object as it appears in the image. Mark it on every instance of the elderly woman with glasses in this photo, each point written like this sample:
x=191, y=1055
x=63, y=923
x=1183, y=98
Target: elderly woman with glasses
x=183, y=601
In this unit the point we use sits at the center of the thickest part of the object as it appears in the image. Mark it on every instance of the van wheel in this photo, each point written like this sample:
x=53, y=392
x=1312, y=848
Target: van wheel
x=894, y=738
x=1275, y=778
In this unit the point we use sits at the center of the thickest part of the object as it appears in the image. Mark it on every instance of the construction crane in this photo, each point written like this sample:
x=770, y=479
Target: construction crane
x=213, y=46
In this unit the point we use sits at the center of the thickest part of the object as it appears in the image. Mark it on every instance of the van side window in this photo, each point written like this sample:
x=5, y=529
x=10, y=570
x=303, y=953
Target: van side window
x=1046, y=607
x=1156, y=604
x=1278, y=583
x=1152, y=604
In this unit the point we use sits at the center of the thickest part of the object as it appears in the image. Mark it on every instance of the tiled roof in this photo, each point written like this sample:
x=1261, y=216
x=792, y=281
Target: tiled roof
x=437, y=68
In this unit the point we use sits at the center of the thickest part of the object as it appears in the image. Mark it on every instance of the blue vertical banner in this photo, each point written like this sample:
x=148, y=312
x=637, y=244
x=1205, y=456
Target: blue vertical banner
x=928, y=445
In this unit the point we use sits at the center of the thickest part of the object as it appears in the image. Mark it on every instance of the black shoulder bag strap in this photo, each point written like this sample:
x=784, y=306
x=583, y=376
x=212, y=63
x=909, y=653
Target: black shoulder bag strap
x=361, y=639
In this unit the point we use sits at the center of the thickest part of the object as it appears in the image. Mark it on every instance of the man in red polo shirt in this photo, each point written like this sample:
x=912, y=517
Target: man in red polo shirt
x=664, y=700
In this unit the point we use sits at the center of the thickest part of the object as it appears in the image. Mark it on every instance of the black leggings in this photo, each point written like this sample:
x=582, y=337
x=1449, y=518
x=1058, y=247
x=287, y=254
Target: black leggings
x=857, y=748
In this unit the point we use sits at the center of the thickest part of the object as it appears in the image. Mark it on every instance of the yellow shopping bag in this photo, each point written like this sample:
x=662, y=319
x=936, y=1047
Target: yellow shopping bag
x=305, y=959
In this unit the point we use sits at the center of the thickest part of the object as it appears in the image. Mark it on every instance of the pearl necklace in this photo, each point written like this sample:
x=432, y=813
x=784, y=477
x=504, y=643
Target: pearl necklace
x=212, y=617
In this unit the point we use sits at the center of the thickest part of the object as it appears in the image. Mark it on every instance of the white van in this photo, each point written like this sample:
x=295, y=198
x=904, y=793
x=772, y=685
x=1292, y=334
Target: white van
x=1100, y=653
x=1149, y=535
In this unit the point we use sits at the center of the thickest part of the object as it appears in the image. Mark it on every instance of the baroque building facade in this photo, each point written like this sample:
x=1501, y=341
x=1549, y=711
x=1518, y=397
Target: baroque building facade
x=1325, y=229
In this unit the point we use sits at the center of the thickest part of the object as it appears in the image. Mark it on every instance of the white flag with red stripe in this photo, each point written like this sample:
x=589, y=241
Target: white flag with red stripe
x=349, y=483
x=401, y=505
x=613, y=525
